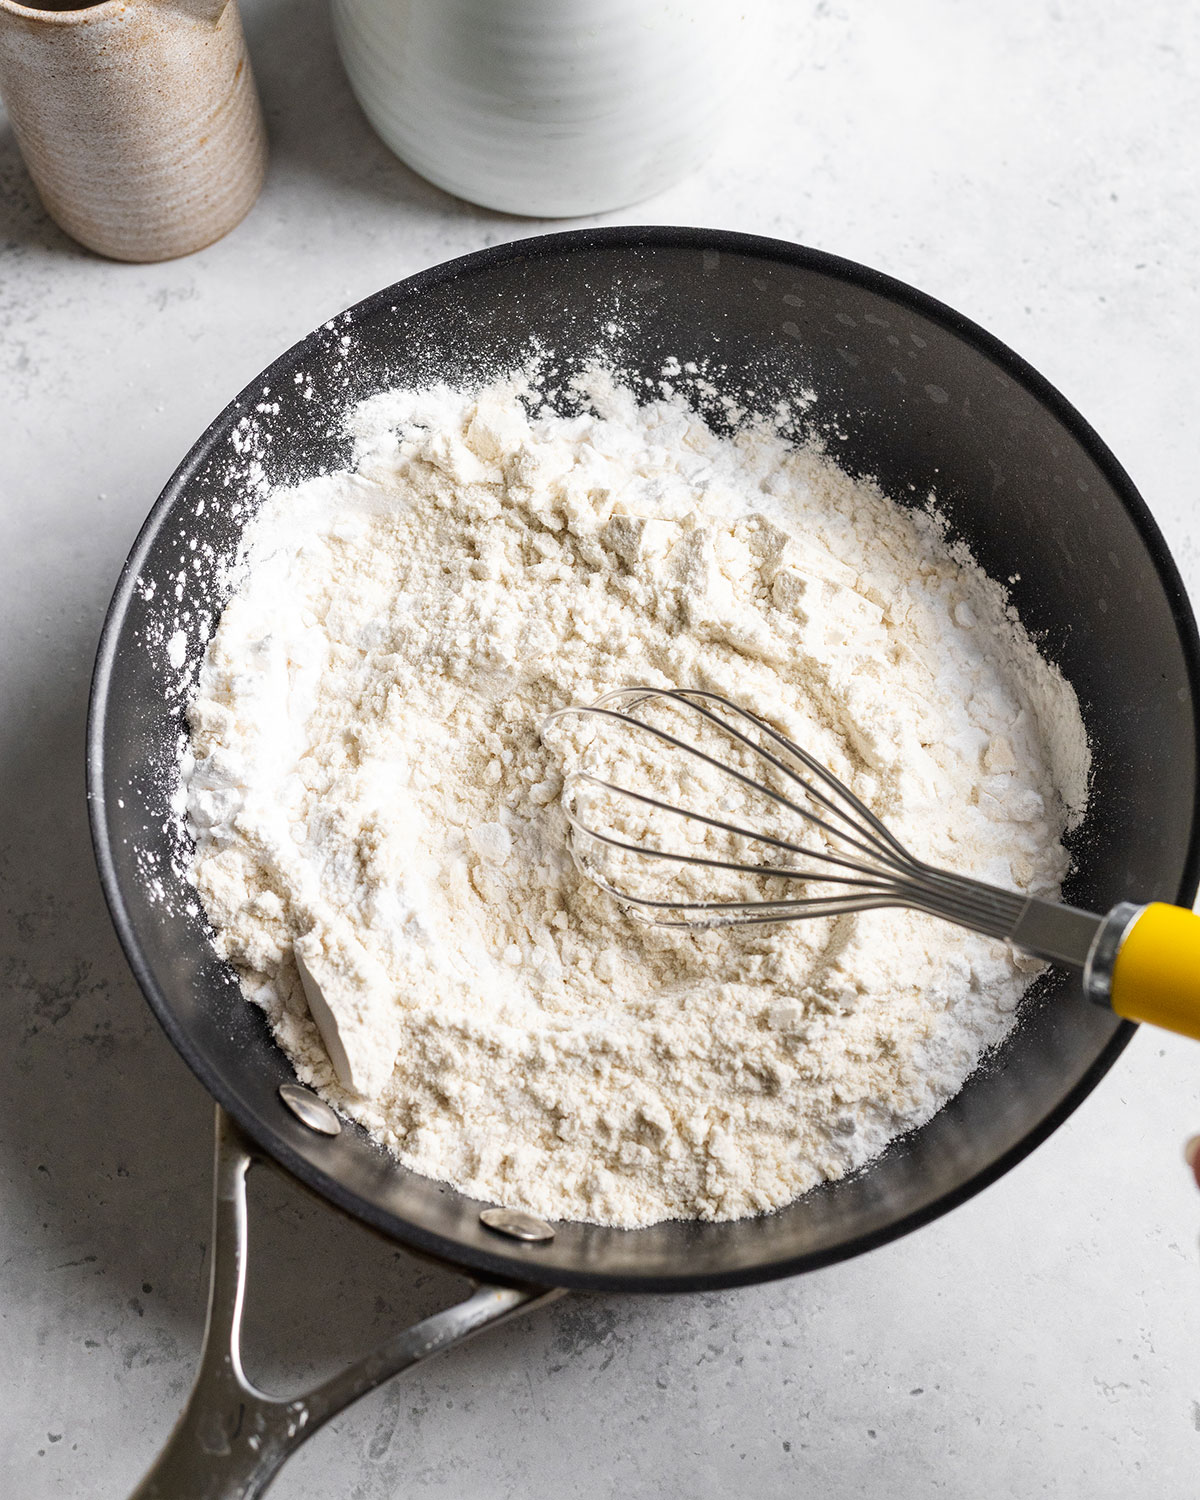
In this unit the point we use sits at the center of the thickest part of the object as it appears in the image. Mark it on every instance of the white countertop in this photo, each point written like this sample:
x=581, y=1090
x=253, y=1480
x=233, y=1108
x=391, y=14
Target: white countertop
x=1034, y=165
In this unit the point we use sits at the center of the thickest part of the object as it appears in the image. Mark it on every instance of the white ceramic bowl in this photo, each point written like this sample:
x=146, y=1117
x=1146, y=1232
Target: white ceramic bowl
x=550, y=108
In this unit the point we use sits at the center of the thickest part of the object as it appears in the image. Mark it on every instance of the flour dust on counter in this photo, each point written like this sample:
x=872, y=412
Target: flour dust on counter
x=381, y=849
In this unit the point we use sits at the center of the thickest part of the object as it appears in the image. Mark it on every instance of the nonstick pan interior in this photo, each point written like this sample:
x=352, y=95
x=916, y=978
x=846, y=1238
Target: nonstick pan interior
x=908, y=392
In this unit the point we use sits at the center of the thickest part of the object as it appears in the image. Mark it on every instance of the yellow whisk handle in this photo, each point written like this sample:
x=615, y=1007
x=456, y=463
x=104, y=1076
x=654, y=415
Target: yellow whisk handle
x=1156, y=976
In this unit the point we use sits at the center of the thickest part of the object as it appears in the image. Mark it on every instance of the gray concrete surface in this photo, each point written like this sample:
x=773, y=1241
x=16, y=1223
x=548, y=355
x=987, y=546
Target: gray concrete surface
x=1034, y=166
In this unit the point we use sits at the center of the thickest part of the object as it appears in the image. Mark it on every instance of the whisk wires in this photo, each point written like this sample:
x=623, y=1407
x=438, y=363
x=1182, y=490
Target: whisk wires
x=856, y=860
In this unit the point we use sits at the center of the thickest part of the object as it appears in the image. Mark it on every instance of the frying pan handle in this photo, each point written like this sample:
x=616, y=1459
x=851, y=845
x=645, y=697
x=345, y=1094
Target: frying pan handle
x=232, y=1438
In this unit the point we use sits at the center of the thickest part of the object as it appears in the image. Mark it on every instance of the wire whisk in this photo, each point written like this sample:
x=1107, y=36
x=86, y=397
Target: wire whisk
x=852, y=850
x=1143, y=961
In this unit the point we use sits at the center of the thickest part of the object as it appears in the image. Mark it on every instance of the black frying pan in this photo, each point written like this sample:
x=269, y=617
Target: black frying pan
x=920, y=398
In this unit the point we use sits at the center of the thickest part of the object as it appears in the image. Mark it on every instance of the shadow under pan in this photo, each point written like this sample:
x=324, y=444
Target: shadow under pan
x=921, y=399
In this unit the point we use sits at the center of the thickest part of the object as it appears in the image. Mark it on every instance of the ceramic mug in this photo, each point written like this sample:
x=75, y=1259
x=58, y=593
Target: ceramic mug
x=543, y=107
x=138, y=119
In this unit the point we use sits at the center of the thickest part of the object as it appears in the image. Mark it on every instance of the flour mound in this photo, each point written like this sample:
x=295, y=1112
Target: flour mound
x=367, y=779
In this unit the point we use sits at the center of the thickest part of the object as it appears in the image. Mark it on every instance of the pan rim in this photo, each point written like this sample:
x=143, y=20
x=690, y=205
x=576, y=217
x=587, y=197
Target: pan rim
x=518, y=1265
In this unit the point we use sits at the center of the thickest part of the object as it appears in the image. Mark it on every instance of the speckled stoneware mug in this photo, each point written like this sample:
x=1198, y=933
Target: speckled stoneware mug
x=138, y=119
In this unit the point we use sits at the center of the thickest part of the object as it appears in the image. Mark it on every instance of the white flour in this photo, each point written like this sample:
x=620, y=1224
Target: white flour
x=370, y=791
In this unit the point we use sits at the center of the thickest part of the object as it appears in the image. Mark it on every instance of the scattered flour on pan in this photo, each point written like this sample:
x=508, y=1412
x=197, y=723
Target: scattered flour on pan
x=371, y=797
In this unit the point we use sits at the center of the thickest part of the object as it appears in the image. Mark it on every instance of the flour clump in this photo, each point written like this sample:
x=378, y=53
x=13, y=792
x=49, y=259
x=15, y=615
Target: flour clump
x=380, y=843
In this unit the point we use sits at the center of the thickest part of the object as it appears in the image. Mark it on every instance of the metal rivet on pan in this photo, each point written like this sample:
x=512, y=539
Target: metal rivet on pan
x=310, y=1110
x=516, y=1225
